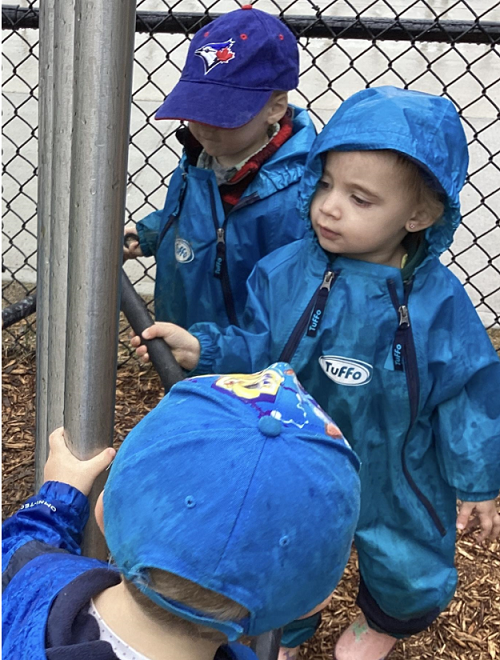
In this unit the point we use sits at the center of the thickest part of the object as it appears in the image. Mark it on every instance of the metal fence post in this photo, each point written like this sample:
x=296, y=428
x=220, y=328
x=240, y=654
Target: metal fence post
x=104, y=40
x=64, y=30
x=45, y=117
x=55, y=161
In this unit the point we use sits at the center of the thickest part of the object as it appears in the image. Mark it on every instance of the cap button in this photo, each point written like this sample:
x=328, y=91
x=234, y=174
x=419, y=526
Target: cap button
x=270, y=426
x=246, y=6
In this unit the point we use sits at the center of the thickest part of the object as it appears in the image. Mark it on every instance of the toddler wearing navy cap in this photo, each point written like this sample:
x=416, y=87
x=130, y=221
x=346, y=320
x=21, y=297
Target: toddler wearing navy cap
x=232, y=199
x=229, y=510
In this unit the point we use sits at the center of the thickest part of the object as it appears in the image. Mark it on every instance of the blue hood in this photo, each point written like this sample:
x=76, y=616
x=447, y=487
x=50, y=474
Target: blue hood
x=424, y=127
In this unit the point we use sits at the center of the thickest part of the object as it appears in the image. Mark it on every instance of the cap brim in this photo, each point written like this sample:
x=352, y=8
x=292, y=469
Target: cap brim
x=216, y=105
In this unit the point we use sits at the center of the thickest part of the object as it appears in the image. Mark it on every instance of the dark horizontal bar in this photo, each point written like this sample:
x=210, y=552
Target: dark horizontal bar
x=327, y=27
x=18, y=18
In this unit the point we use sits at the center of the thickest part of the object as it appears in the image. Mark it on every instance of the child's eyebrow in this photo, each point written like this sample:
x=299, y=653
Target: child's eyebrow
x=328, y=173
x=365, y=191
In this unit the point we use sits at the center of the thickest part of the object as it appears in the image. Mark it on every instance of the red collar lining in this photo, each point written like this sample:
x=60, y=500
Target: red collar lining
x=232, y=191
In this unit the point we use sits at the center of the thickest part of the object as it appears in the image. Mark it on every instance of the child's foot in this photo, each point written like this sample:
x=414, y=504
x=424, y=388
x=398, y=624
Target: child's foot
x=360, y=642
x=288, y=654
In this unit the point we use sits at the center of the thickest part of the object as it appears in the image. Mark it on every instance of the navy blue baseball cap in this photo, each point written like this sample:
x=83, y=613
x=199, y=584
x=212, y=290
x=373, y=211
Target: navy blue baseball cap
x=233, y=66
x=243, y=485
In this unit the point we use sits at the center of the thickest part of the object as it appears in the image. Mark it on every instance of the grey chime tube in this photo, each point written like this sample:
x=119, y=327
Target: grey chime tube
x=104, y=40
x=45, y=116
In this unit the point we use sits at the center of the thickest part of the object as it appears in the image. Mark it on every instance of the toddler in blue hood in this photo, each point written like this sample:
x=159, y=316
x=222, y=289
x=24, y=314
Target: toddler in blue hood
x=386, y=339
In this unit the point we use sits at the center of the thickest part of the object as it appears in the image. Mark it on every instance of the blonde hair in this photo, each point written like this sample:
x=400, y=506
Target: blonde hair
x=429, y=199
x=190, y=594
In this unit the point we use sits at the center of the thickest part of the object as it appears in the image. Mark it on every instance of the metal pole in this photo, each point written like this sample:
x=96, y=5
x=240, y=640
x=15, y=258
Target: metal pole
x=64, y=31
x=267, y=645
x=104, y=40
x=45, y=116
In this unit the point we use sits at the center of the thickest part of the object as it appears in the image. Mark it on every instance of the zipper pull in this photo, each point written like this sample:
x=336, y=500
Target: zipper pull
x=320, y=303
x=327, y=280
x=399, y=344
x=220, y=253
x=399, y=349
x=404, y=317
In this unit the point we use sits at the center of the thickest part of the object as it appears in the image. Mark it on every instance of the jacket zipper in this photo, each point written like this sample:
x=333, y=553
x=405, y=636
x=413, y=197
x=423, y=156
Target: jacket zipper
x=405, y=359
x=173, y=217
x=320, y=302
x=220, y=266
x=309, y=316
x=245, y=201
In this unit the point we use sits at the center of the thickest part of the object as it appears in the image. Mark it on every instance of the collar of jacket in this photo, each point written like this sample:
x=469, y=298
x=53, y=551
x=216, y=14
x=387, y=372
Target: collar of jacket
x=317, y=260
x=71, y=632
x=232, y=191
x=192, y=148
x=281, y=169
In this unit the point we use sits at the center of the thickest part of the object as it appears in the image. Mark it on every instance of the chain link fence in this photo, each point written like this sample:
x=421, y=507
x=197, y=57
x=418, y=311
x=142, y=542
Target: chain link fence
x=446, y=47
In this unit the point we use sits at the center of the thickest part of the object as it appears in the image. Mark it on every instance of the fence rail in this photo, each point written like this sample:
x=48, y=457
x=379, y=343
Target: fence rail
x=443, y=31
x=445, y=47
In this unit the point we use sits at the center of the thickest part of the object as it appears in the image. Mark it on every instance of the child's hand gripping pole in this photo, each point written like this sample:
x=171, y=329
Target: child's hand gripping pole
x=134, y=308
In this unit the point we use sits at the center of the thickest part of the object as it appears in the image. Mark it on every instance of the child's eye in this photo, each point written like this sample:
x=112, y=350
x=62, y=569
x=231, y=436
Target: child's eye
x=323, y=185
x=360, y=201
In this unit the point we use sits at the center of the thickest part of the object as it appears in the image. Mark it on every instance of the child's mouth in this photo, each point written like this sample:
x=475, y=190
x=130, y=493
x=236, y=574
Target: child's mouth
x=327, y=233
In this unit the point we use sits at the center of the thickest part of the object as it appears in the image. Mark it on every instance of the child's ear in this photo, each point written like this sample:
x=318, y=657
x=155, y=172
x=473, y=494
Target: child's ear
x=99, y=512
x=421, y=219
x=278, y=105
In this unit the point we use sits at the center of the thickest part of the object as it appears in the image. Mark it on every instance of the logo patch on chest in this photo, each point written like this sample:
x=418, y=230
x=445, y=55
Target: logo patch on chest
x=183, y=251
x=346, y=371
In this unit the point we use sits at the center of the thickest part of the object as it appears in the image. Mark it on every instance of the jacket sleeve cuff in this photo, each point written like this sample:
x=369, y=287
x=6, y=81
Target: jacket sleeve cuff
x=56, y=515
x=58, y=493
x=476, y=497
x=207, y=354
x=147, y=238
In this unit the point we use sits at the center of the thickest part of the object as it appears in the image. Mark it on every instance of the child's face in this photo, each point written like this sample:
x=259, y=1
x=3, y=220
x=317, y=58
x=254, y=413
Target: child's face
x=232, y=145
x=362, y=207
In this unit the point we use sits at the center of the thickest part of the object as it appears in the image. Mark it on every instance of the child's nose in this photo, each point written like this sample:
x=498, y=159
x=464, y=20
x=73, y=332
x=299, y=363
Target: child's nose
x=331, y=205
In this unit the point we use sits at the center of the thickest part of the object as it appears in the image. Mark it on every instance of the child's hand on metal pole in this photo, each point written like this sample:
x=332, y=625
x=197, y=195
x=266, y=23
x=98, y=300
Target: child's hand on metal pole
x=184, y=346
x=486, y=515
x=63, y=466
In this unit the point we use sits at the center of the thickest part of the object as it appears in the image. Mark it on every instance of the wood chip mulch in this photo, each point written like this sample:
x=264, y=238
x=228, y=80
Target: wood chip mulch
x=468, y=630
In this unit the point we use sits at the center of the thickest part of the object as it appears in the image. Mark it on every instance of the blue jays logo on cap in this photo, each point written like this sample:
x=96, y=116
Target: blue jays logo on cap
x=216, y=53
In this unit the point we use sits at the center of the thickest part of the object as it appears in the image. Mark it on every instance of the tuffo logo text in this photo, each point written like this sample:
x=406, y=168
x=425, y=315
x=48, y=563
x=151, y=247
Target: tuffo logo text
x=345, y=371
x=216, y=53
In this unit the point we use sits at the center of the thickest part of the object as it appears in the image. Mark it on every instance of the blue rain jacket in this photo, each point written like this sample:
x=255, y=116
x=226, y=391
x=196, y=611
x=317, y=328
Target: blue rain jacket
x=405, y=368
x=203, y=257
x=40, y=548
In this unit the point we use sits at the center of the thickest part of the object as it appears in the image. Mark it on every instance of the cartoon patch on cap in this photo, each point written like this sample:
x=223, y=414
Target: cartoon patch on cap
x=216, y=53
x=296, y=407
x=262, y=386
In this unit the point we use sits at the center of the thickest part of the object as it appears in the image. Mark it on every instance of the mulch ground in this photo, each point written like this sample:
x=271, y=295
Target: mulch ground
x=468, y=630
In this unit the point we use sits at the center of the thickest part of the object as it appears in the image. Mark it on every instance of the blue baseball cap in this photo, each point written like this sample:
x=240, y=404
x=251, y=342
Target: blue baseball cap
x=242, y=484
x=232, y=67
